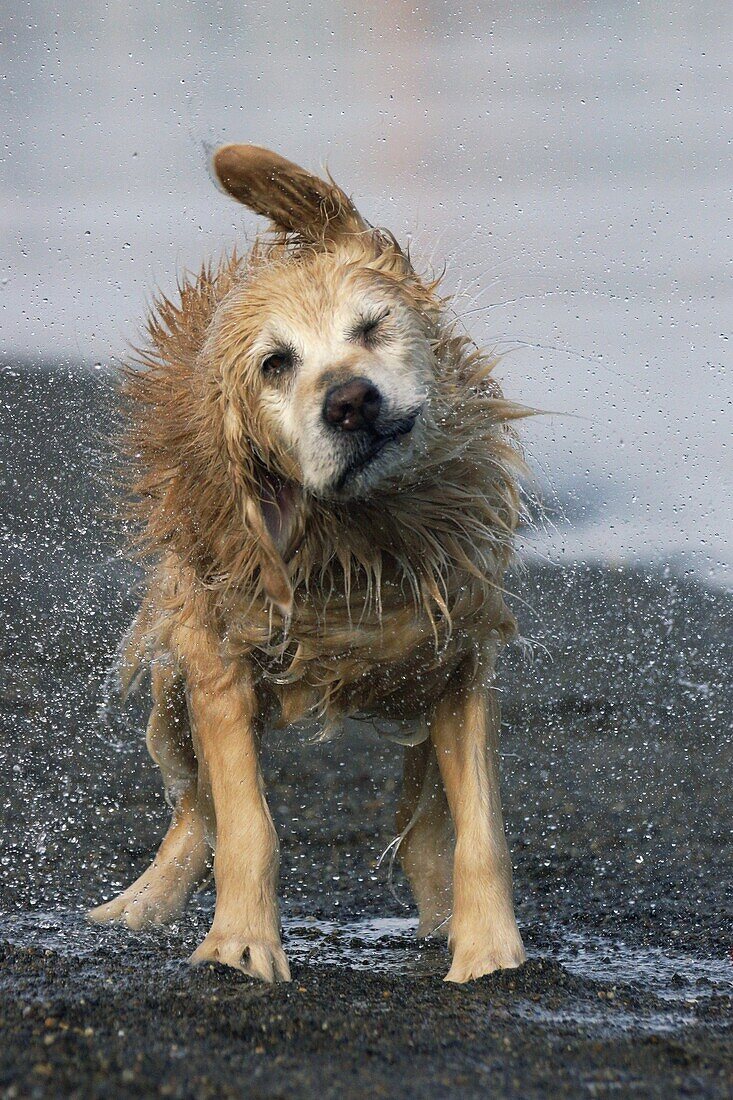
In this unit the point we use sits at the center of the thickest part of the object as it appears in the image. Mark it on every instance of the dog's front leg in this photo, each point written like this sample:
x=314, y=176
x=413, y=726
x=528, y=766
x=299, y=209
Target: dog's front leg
x=245, y=933
x=465, y=729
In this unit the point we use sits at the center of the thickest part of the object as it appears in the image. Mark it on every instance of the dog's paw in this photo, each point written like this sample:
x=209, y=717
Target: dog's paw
x=257, y=959
x=138, y=909
x=485, y=956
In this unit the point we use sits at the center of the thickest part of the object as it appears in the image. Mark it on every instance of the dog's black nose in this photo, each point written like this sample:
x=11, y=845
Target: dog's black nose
x=353, y=406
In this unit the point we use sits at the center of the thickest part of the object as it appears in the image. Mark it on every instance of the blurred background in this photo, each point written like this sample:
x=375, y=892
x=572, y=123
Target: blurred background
x=571, y=163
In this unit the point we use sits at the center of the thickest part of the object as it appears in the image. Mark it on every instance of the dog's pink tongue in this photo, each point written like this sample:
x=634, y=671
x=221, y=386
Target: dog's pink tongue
x=278, y=510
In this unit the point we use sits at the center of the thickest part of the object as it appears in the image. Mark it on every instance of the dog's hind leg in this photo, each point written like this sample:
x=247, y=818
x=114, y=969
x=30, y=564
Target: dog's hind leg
x=426, y=839
x=465, y=732
x=183, y=859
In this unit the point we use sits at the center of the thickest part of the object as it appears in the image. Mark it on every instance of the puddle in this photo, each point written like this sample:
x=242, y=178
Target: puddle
x=670, y=975
x=616, y=1019
x=378, y=944
x=63, y=931
x=388, y=945
x=672, y=985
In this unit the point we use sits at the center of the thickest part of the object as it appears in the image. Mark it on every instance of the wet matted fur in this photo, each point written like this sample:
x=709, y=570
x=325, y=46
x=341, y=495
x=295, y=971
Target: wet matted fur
x=323, y=474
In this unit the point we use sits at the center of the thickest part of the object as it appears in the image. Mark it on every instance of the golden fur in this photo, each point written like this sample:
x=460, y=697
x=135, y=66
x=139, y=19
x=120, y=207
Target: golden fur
x=275, y=603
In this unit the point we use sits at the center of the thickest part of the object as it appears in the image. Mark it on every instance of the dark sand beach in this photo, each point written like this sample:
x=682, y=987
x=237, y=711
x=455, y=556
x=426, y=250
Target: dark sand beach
x=617, y=767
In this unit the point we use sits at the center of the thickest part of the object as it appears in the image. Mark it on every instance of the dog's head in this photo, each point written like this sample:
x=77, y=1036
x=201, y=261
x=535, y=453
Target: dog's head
x=323, y=351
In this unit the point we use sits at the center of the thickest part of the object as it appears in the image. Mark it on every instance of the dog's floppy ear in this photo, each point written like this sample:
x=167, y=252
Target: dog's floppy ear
x=292, y=198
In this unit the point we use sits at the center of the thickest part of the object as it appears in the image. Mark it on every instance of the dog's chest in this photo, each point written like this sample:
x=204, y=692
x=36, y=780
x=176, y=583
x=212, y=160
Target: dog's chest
x=334, y=663
x=393, y=692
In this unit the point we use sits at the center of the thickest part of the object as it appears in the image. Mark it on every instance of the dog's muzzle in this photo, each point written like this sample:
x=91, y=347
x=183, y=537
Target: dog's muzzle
x=357, y=408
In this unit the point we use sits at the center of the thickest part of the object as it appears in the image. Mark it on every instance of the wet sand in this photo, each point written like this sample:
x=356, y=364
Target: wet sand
x=617, y=764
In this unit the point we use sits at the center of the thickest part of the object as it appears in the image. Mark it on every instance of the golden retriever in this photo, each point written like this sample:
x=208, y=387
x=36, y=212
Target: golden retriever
x=324, y=471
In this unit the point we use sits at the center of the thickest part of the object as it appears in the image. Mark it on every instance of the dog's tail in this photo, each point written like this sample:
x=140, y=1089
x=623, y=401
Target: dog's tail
x=133, y=656
x=124, y=676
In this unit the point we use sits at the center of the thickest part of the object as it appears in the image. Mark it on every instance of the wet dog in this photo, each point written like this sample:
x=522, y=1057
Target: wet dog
x=324, y=473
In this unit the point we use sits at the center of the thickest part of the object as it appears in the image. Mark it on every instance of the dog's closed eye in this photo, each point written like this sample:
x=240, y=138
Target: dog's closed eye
x=369, y=329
